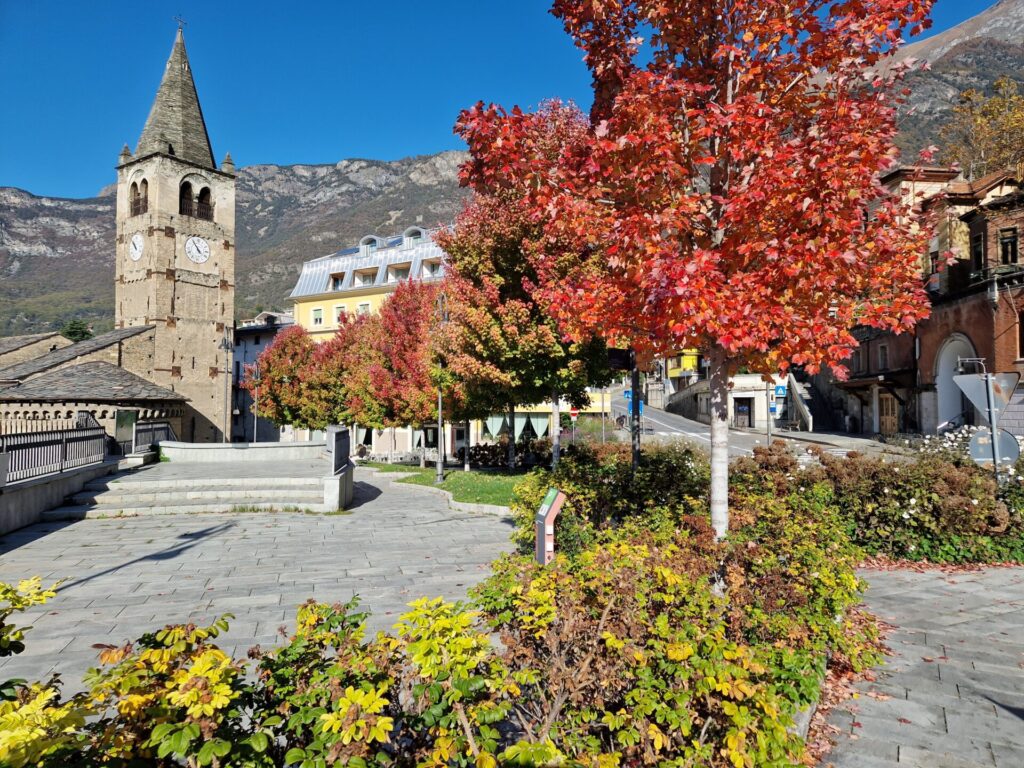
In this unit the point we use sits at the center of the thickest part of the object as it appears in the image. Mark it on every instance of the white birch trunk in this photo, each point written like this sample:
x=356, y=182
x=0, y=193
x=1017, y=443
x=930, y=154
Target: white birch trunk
x=719, y=390
x=512, y=438
x=556, y=431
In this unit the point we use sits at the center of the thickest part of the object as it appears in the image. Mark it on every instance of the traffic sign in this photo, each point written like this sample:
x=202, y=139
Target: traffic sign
x=975, y=386
x=1007, y=447
x=574, y=414
x=780, y=390
x=628, y=394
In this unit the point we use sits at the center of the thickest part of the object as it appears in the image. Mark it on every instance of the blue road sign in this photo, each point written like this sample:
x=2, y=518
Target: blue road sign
x=780, y=390
x=628, y=394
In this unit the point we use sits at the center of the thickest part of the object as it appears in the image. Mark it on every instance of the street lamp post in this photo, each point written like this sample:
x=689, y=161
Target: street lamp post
x=442, y=318
x=256, y=399
x=226, y=346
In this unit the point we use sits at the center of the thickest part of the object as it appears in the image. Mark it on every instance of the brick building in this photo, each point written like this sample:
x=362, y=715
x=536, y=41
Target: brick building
x=904, y=383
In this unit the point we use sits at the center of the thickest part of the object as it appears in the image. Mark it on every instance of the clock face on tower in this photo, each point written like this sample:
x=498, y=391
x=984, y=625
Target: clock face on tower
x=137, y=246
x=197, y=249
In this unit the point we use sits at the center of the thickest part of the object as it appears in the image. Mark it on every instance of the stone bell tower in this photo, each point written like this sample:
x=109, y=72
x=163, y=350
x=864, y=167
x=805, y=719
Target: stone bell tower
x=176, y=251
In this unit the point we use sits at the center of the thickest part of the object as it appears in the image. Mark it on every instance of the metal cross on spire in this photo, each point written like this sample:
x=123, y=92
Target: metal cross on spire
x=181, y=22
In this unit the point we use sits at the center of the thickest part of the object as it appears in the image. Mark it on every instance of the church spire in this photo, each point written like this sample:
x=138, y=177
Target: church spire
x=175, y=124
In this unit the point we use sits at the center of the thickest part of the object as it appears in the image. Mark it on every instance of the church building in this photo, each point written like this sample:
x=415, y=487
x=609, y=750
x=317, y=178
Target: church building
x=169, y=355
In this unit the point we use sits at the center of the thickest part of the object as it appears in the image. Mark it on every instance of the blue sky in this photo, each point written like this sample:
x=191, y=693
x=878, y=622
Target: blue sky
x=301, y=81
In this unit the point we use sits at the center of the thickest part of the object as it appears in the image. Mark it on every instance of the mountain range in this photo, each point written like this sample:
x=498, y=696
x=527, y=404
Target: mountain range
x=56, y=255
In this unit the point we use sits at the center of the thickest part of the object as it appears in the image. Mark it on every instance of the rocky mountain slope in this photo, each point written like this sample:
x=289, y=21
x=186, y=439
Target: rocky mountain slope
x=973, y=54
x=57, y=255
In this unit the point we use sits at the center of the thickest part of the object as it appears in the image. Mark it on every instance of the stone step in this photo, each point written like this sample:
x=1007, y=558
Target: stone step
x=135, y=497
x=87, y=511
x=140, y=485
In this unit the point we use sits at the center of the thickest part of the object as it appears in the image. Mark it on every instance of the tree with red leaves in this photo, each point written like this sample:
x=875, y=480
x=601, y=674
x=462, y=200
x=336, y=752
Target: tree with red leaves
x=725, y=193
x=281, y=386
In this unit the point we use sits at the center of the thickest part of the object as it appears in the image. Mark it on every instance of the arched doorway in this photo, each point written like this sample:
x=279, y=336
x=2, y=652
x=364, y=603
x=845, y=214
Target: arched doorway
x=951, y=402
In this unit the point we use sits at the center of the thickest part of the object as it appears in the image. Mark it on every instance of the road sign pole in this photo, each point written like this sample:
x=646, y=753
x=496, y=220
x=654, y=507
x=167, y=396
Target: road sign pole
x=634, y=409
x=769, y=388
x=993, y=419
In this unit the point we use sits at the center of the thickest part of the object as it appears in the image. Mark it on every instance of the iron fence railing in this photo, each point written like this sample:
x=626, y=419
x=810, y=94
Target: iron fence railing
x=35, y=454
x=149, y=433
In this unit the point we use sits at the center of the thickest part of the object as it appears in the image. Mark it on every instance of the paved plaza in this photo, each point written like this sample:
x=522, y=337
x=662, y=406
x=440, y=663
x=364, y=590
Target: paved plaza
x=126, y=576
x=952, y=695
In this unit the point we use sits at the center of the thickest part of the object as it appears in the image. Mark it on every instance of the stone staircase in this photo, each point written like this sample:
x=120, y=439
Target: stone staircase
x=821, y=411
x=131, y=494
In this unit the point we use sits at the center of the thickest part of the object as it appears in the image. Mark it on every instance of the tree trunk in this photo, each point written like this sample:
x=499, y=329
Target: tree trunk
x=465, y=456
x=719, y=390
x=512, y=437
x=556, y=431
x=423, y=447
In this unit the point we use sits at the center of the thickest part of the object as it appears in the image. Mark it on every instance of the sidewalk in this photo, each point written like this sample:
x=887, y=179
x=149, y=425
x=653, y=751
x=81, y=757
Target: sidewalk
x=952, y=693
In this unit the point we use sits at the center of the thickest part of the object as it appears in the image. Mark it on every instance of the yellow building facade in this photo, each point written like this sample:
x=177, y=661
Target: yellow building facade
x=358, y=280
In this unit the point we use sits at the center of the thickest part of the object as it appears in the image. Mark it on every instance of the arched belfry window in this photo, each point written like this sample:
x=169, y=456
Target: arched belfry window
x=186, y=203
x=138, y=197
x=204, y=207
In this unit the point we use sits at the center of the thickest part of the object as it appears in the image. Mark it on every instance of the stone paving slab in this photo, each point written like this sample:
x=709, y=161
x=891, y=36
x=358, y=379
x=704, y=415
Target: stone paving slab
x=128, y=576
x=952, y=694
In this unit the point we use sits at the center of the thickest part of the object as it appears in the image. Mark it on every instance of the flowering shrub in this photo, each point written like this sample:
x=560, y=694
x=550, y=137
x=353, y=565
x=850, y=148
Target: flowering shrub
x=624, y=654
x=938, y=506
x=602, y=492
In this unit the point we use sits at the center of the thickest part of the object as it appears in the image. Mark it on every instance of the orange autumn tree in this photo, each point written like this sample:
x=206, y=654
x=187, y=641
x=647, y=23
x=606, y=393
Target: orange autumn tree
x=726, y=194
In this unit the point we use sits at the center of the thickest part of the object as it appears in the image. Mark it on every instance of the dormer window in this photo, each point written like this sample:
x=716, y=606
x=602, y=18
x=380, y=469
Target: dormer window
x=398, y=272
x=337, y=281
x=412, y=236
x=369, y=245
x=365, y=277
x=432, y=268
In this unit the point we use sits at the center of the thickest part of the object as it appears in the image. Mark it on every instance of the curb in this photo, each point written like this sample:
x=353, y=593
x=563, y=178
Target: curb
x=461, y=506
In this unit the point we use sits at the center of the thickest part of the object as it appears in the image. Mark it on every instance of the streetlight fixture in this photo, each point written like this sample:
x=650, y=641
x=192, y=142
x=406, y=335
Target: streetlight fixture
x=226, y=346
x=442, y=318
x=255, y=399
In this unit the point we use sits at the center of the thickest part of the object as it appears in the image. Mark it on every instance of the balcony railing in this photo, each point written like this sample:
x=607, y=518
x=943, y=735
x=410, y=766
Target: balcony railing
x=139, y=206
x=197, y=210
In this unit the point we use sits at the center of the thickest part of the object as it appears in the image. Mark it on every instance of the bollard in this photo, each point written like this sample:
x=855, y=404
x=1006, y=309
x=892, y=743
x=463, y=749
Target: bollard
x=545, y=522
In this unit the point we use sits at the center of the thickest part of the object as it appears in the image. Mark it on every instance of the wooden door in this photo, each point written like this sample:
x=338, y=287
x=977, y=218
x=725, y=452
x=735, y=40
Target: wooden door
x=888, y=414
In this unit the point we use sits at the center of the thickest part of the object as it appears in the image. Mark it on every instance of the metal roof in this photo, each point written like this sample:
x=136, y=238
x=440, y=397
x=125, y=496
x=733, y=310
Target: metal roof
x=315, y=278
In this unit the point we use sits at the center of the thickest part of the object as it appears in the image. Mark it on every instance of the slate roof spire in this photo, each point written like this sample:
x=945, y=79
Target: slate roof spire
x=175, y=125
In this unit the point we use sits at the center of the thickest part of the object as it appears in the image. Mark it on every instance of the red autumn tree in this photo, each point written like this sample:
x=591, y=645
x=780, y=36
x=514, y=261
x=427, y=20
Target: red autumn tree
x=408, y=377
x=279, y=391
x=726, y=194
x=503, y=344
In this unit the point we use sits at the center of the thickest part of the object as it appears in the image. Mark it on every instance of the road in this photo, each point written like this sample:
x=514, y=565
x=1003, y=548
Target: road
x=658, y=423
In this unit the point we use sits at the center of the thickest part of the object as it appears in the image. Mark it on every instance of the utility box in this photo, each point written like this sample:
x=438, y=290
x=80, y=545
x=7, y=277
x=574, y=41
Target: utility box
x=545, y=522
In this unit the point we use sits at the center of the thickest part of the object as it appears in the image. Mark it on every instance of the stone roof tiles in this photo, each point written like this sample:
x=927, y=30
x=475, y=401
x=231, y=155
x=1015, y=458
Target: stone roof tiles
x=94, y=382
x=22, y=371
x=175, y=125
x=11, y=343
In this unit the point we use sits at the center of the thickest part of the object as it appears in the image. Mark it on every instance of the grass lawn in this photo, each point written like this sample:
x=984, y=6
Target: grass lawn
x=474, y=487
